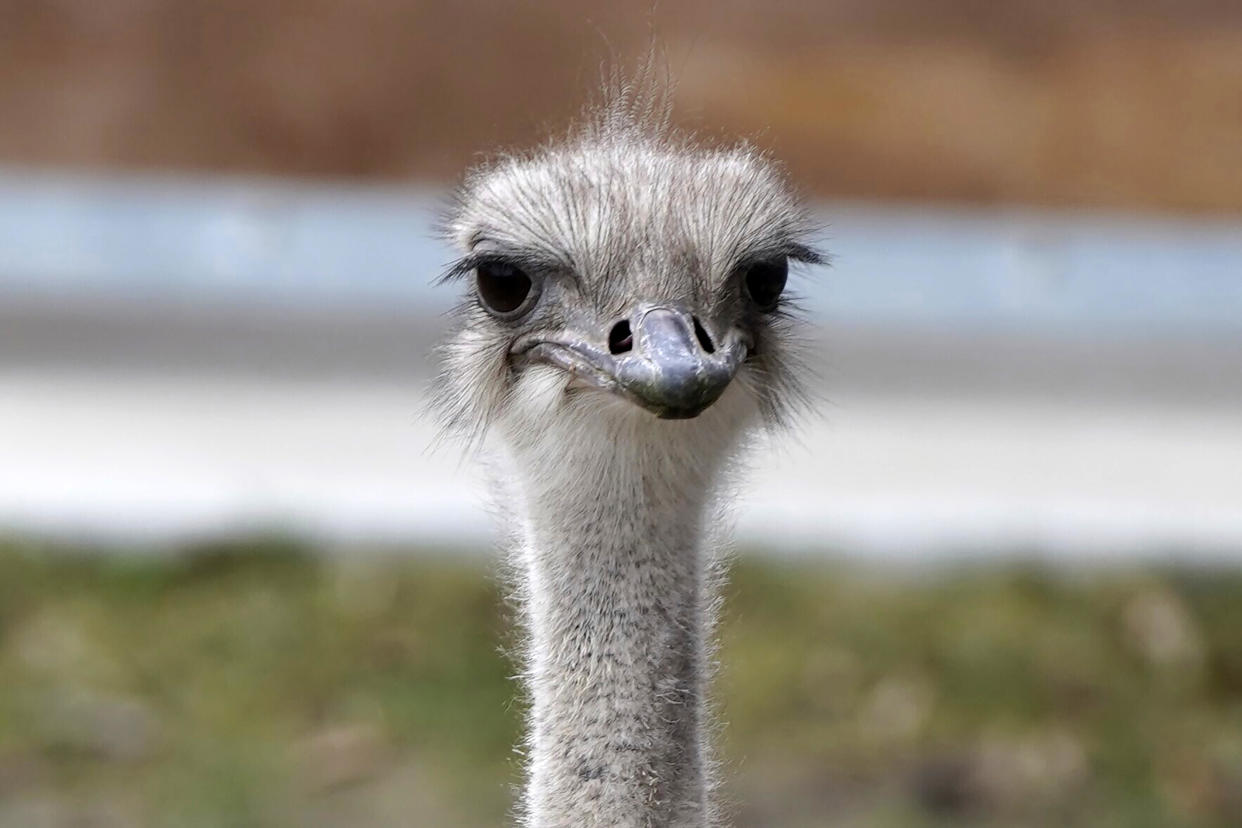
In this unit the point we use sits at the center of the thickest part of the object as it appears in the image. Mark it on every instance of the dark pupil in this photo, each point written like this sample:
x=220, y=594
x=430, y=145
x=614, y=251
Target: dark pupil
x=765, y=281
x=502, y=287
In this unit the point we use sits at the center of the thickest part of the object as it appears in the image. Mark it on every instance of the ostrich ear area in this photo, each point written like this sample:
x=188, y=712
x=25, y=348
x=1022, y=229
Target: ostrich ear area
x=667, y=365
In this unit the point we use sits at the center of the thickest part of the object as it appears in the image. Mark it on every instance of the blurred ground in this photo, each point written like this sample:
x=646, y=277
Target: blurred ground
x=909, y=478
x=1119, y=103
x=262, y=684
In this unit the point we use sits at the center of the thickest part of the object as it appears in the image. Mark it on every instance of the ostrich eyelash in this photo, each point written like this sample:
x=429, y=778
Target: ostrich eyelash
x=467, y=264
x=530, y=261
x=805, y=254
x=535, y=261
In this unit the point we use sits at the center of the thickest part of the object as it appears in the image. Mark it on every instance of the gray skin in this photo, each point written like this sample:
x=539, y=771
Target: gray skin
x=611, y=455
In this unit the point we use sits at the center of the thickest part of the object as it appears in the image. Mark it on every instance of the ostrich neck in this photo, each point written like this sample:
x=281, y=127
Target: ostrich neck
x=617, y=615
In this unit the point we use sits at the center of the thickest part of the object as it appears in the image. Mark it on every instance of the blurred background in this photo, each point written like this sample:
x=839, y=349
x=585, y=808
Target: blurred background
x=995, y=579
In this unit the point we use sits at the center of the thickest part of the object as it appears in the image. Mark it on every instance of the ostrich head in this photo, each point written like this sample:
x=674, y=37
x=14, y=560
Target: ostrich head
x=625, y=285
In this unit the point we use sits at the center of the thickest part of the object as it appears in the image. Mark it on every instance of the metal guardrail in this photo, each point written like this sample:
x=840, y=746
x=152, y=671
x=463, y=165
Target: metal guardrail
x=150, y=238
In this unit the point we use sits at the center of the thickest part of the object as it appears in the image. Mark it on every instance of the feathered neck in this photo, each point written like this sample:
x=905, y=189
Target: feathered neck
x=616, y=601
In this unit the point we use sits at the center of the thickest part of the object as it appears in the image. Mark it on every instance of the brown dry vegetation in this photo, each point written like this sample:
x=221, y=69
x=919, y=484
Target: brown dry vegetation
x=1099, y=102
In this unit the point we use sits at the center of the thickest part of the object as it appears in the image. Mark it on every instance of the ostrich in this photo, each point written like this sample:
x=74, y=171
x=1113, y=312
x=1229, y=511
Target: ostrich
x=623, y=334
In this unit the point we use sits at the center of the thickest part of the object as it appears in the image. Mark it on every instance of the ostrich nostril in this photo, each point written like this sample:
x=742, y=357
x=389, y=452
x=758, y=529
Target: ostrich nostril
x=620, y=339
x=704, y=338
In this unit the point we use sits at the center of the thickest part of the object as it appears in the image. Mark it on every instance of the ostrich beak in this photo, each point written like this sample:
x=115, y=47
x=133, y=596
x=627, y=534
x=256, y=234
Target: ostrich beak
x=667, y=364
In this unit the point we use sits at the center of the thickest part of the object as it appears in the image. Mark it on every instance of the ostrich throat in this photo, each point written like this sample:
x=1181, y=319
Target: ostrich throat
x=617, y=613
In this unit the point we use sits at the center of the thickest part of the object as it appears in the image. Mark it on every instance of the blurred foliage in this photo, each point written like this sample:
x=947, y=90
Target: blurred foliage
x=266, y=684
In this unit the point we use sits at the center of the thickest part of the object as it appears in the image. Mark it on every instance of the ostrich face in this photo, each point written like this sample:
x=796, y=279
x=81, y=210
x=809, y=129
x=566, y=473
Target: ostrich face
x=625, y=278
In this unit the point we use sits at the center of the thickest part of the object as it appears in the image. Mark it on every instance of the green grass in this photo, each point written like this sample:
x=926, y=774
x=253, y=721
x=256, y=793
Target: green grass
x=256, y=684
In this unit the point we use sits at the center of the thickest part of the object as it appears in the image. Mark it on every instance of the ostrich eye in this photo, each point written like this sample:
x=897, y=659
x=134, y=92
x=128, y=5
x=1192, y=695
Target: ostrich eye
x=765, y=281
x=503, y=288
